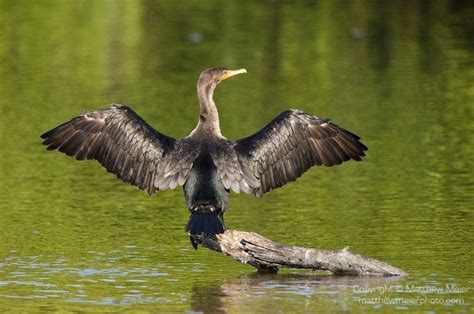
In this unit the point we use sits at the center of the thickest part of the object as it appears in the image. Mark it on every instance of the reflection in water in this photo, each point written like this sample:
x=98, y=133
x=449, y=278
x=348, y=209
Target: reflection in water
x=208, y=298
x=379, y=37
x=256, y=292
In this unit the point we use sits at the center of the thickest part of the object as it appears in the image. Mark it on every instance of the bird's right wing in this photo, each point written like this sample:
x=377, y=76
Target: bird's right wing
x=125, y=145
x=291, y=144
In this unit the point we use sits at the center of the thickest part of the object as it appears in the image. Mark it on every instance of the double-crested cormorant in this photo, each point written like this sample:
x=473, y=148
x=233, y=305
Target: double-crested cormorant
x=205, y=163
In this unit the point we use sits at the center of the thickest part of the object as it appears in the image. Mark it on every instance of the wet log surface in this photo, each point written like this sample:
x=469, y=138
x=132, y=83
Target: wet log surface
x=268, y=256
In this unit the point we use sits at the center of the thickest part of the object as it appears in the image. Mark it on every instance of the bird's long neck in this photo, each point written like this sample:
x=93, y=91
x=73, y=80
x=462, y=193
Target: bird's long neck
x=208, y=117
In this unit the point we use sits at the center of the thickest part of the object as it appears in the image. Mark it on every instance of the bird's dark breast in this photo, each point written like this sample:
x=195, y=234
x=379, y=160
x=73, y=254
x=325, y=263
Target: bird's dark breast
x=204, y=186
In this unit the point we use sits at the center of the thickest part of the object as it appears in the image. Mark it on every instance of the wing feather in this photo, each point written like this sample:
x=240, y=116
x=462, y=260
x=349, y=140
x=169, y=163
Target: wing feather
x=291, y=144
x=125, y=145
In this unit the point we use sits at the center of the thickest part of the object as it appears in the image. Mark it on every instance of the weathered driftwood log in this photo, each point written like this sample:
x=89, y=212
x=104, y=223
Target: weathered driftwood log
x=266, y=255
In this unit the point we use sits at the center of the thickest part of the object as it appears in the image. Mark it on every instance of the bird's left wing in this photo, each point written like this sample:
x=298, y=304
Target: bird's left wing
x=289, y=145
x=125, y=145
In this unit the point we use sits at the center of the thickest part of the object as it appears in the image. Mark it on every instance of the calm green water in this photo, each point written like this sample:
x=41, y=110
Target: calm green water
x=400, y=74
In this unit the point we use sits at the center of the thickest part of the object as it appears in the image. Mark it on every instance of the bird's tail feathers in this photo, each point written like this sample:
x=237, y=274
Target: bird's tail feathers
x=204, y=220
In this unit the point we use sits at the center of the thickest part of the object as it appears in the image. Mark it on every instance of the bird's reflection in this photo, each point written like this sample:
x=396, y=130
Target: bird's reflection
x=208, y=298
x=222, y=296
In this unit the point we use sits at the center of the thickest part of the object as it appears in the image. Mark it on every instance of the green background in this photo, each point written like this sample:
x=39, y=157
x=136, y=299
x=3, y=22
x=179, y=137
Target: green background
x=398, y=73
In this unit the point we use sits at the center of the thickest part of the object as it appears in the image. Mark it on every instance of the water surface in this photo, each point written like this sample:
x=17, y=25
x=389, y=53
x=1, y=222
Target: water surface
x=399, y=74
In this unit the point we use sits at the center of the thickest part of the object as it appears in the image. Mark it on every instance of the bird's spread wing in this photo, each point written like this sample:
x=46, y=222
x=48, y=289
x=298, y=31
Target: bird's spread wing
x=289, y=145
x=126, y=146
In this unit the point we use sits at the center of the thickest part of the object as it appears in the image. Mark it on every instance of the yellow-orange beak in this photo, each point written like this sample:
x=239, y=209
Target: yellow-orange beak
x=229, y=73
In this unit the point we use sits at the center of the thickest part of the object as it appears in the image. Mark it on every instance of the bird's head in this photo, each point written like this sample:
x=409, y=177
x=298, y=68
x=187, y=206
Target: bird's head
x=206, y=84
x=213, y=76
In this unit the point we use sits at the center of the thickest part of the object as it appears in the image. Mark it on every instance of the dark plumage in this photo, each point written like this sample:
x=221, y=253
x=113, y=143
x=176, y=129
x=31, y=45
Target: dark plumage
x=205, y=163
